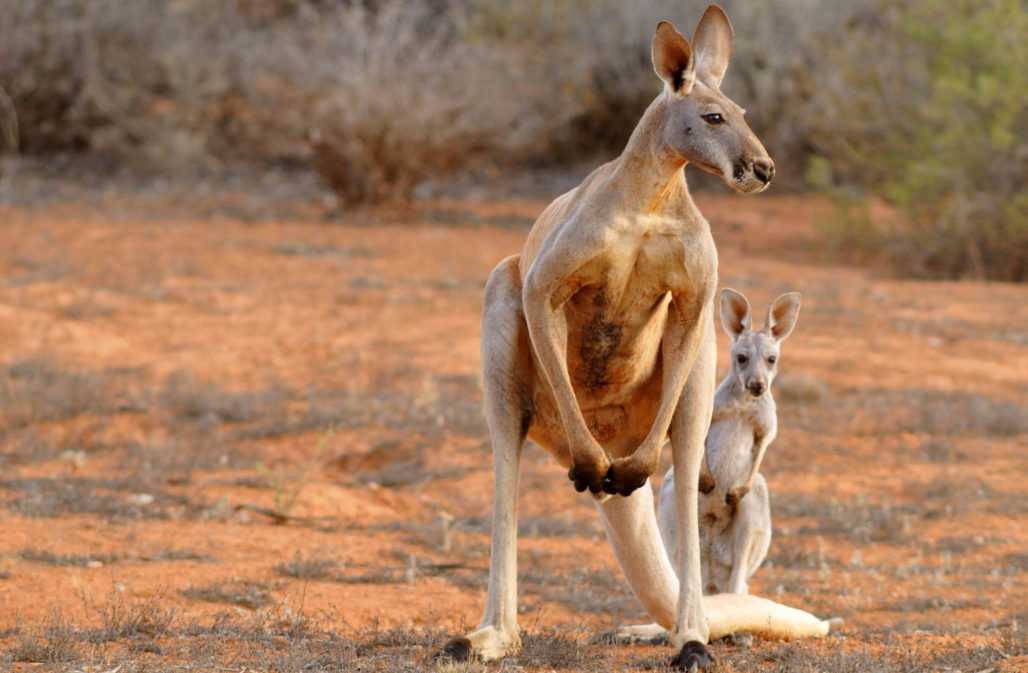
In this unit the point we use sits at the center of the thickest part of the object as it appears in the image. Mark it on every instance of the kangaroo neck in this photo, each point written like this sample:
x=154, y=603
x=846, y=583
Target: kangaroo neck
x=650, y=175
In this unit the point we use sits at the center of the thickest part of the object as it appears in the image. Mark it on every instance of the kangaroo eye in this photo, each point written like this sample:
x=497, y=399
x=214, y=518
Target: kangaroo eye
x=771, y=359
x=742, y=359
x=714, y=118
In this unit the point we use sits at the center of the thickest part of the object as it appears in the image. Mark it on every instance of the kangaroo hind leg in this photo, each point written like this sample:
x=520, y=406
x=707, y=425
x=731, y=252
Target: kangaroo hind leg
x=506, y=372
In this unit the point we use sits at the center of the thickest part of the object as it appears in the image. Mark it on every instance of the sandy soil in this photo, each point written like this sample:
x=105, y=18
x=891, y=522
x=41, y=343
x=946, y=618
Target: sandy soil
x=256, y=445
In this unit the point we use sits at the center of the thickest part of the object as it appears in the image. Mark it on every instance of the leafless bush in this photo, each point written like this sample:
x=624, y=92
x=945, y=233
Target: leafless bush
x=146, y=618
x=396, y=94
x=53, y=642
x=593, y=59
x=142, y=77
x=380, y=96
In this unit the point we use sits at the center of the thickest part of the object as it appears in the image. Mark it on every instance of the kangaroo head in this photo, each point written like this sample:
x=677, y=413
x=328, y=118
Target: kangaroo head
x=755, y=353
x=703, y=126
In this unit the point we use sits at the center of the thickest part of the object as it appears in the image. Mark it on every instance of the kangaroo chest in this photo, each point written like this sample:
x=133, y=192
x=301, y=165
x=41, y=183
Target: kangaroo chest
x=616, y=317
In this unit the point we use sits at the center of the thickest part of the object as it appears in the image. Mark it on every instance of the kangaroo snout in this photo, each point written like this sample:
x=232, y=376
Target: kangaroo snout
x=764, y=169
x=753, y=175
x=756, y=388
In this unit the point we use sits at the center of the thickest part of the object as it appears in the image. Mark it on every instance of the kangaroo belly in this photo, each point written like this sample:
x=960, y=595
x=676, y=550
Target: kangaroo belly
x=614, y=333
x=613, y=347
x=619, y=428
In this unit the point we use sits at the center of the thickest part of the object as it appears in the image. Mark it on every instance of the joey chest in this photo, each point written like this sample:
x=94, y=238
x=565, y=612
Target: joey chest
x=736, y=430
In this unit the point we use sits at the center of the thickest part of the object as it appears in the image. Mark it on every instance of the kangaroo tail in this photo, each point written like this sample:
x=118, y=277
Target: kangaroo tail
x=734, y=613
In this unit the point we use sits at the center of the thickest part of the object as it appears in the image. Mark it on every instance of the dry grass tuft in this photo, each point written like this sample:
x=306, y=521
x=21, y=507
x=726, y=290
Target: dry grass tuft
x=245, y=594
x=307, y=568
x=55, y=642
x=73, y=560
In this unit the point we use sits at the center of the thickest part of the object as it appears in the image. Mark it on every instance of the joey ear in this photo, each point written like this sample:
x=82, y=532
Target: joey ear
x=712, y=44
x=673, y=58
x=782, y=315
x=735, y=313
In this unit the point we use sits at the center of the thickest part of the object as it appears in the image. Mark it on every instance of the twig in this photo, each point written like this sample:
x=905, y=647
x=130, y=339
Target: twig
x=276, y=516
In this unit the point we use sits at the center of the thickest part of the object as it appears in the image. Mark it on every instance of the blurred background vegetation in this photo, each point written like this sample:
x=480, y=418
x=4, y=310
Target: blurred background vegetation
x=910, y=114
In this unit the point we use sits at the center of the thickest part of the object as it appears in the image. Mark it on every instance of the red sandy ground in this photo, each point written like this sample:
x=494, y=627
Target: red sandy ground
x=913, y=531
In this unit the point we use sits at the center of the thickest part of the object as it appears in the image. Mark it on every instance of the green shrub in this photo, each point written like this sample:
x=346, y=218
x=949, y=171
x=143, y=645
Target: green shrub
x=923, y=105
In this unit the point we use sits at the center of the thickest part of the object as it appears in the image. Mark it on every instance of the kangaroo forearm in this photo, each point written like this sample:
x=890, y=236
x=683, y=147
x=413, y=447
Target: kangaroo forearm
x=757, y=460
x=547, y=330
x=761, y=441
x=679, y=359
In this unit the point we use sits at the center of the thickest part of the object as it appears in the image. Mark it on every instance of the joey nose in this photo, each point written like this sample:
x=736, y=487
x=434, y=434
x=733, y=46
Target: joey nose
x=764, y=169
x=756, y=388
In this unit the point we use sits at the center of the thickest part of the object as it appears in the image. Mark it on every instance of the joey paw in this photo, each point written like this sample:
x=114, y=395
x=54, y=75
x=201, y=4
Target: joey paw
x=735, y=496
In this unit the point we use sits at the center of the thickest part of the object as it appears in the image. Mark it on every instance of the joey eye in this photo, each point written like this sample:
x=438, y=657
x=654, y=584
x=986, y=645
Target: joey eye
x=714, y=118
x=742, y=359
x=771, y=359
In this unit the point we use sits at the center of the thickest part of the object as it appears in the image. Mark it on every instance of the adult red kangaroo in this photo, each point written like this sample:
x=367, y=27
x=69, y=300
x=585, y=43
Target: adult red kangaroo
x=598, y=344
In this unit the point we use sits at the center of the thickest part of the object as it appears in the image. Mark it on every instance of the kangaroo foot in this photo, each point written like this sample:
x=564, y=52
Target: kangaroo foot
x=694, y=656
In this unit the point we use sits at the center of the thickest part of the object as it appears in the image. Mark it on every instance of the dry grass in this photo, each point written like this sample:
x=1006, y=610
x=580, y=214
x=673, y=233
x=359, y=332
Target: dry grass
x=54, y=642
x=38, y=390
x=142, y=619
x=307, y=568
x=859, y=520
x=245, y=594
x=790, y=659
x=76, y=560
x=116, y=499
x=191, y=400
x=272, y=640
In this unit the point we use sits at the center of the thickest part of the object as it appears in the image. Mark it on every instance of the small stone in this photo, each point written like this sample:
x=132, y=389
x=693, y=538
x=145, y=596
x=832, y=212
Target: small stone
x=142, y=499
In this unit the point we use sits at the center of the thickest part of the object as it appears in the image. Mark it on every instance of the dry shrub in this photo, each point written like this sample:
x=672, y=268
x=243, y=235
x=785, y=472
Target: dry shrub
x=146, y=82
x=398, y=95
x=380, y=96
x=52, y=642
x=592, y=60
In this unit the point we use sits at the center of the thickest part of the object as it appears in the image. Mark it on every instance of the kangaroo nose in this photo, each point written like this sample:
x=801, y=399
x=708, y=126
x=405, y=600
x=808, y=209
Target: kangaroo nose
x=756, y=388
x=764, y=169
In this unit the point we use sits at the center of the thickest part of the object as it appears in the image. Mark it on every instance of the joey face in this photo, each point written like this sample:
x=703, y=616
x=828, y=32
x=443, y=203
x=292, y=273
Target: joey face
x=755, y=353
x=755, y=361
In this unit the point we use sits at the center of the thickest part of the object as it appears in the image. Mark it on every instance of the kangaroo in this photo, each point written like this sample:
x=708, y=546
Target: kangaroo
x=734, y=506
x=735, y=530
x=598, y=344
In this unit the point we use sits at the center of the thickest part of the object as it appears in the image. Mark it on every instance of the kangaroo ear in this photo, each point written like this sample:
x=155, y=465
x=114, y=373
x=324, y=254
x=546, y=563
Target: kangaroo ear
x=673, y=58
x=782, y=315
x=735, y=313
x=713, y=41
